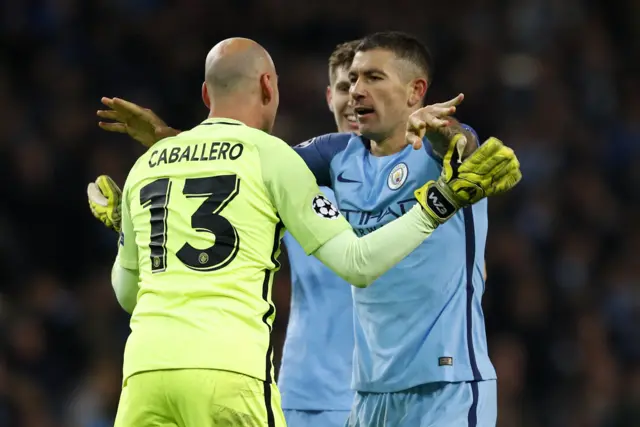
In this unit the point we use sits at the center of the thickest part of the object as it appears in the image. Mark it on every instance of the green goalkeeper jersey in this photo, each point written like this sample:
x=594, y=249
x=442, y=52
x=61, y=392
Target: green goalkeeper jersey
x=202, y=218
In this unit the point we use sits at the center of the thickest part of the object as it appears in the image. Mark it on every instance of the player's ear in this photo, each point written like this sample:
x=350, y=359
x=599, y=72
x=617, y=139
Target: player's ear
x=417, y=91
x=267, y=88
x=205, y=95
x=329, y=98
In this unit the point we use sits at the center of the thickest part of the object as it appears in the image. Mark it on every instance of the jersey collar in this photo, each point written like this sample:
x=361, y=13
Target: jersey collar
x=425, y=143
x=222, y=121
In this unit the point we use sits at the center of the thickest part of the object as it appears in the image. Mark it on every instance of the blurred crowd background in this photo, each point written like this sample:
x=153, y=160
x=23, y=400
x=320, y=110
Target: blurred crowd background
x=558, y=80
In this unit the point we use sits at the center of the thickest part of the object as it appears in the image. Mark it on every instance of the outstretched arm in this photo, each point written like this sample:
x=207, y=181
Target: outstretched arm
x=320, y=229
x=318, y=226
x=361, y=260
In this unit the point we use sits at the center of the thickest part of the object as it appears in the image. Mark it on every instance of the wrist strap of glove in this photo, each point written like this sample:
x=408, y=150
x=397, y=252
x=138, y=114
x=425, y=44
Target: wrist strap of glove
x=435, y=199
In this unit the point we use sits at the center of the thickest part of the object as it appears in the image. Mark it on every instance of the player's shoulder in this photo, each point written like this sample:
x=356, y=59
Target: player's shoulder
x=269, y=146
x=143, y=159
x=327, y=146
x=335, y=139
x=141, y=164
x=140, y=167
x=264, y=140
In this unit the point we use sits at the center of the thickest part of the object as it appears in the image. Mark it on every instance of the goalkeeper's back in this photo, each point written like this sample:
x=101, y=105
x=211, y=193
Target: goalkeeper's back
x=201, y=225
x=202, y=217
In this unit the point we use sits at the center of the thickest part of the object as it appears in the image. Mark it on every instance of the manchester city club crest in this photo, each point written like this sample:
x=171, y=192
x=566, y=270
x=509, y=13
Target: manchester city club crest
x=398, y=176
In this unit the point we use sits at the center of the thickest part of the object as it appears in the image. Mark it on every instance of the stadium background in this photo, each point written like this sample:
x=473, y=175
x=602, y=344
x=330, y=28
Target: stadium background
x=556, y=79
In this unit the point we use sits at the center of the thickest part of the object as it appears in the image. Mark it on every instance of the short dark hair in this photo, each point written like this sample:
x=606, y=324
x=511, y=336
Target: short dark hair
x=342, y=56
x=404, y=46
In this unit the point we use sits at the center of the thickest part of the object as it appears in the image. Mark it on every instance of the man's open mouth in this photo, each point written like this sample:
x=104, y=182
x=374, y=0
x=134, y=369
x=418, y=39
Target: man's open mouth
x=363, y=111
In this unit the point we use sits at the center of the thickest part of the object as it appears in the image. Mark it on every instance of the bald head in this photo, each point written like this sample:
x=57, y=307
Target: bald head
x=235, y=65
x=241, y=83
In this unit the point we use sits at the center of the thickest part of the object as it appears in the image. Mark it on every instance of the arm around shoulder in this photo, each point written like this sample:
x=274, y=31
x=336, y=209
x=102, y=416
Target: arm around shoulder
x=360, y=261
x=320, y=229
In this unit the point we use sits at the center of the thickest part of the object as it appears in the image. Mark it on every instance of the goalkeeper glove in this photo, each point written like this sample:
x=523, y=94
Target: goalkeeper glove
x=104, y=200
x=491, y=170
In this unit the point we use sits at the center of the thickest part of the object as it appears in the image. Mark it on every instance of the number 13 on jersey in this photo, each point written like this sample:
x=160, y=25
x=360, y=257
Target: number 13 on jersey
x=217, y=192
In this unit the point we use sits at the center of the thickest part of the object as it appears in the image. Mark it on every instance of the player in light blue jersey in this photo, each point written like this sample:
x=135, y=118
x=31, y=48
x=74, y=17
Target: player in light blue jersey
x=315, y=375
x=421, y=354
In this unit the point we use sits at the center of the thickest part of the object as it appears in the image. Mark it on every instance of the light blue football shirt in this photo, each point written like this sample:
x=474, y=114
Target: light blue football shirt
x=317, y=357
x=422, y=321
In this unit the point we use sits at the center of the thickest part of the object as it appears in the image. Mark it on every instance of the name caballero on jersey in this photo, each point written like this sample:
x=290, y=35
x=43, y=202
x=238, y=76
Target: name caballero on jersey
x=196, y=153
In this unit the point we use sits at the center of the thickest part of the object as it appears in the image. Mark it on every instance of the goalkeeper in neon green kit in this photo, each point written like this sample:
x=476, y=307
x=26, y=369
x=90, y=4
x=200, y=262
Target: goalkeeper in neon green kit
x=201, y=219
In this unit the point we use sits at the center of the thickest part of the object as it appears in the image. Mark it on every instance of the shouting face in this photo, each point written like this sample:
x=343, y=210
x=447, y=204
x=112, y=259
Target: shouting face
x=383, y=92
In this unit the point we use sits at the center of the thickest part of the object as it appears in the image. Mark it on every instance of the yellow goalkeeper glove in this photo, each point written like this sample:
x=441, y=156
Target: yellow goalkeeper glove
x=104, y=200
x=491, y=170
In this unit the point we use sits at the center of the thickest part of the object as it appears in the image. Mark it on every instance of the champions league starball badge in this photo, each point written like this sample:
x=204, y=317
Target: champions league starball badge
x=324, y=208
